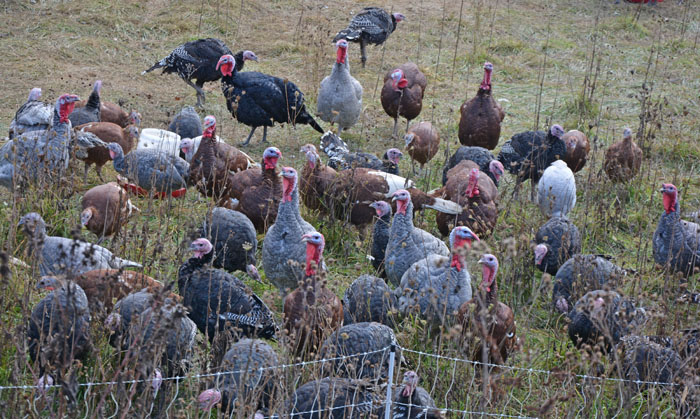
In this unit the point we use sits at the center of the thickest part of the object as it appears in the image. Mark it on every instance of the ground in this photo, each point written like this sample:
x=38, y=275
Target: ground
x=588, y=65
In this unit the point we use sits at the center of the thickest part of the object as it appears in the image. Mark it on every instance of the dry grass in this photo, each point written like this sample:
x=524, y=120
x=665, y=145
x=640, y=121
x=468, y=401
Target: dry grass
x=644, y=62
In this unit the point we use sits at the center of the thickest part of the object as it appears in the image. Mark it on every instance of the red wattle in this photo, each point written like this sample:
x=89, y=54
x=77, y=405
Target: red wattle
x=287, y=187
x=65, y=110
x=456, y=263
x=227, y=69
x=401, y=207
x=340, y=58
x=270, y=163
x=310, y=256
x=669, y=203
x=402, y=83
x=486, y=82
x=209, y=132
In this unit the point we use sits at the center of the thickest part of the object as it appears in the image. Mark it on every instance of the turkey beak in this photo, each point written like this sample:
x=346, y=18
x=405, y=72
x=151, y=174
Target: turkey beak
x=394, y=198
x=481, y=261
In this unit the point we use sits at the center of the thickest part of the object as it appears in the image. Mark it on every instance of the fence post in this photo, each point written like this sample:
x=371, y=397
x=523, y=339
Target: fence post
x=390, y=382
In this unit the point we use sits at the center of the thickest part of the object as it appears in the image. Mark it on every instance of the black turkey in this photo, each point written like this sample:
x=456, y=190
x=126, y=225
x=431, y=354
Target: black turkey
x=580, y=274
x=251, y=382
x=412, y=401
x=335, y=398
x=217, y=300
x=556, y=241
x=186, y=124
x=366, y=348
x=479, y=155
x=380, y=235
x=196, y=60
x=645, y=360
x=91, y=111
x=259, y=100
x=234, y=239
x=369, y=299
x=340, y=157
x=372, y=25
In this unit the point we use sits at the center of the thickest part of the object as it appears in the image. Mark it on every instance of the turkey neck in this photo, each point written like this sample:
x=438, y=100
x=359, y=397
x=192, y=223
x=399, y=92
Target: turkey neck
x=189, y=267
x=61, y=128
x=402, y=226
x=288, y=211
x=119, y=163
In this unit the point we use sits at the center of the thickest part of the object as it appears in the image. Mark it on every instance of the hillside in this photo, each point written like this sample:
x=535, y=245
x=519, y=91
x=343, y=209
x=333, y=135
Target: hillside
x=588, y=65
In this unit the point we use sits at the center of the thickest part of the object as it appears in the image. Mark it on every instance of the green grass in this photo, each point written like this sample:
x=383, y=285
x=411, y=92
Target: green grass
x=65, y=46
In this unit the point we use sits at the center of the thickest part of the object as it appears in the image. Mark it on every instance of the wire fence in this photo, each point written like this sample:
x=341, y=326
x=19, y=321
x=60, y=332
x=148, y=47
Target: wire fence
x=453, y=402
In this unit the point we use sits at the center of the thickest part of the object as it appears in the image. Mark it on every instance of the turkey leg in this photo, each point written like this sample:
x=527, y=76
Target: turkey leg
x=264, y=140
x=200, y=93
x=363, y=53
x=247, y=140
x=396, y=126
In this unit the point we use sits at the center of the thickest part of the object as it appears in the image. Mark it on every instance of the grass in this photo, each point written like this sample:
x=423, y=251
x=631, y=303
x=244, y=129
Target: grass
x=64, y=46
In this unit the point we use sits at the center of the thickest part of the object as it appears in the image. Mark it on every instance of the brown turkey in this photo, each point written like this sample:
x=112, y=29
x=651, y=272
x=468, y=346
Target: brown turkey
x=476, y=193
x=623, y=159
x=316, y=179
x=106, y=208
x=422, y=142
x=109, y=133
x=491, y=320
x=111, y=112
x=577, y=148
x=312, y=311
x=208, y=170
x=258, y=191
x=402, y=94
x=481, y=116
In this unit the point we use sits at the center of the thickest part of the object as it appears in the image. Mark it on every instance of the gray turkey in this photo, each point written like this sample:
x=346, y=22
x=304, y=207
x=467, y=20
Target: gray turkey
x=335, y=398
x=581, y=274
x=528, y=154
x=249, y=380
x=59, y=330
x=284, y=252
x=196, y=60
x=217, y=301
x=365, y=350
x=368, y=299
x=372, y=25
x=340, y=157
x=676, y=242
x=380, y=235
x=340, y=96
x=259, y=100
x=603, y=317
x=234, y=239
x=556, y=242
x=645, y=360
x=479, y=155
x=33, y=115
x=186, y=124
x=91, y=111
x=62, y=256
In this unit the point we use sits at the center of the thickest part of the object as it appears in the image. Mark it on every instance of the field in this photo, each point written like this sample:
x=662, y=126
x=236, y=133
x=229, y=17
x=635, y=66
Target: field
x=588, y=65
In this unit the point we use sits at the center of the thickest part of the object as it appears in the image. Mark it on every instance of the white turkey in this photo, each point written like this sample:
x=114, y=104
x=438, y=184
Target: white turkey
x=556, y=190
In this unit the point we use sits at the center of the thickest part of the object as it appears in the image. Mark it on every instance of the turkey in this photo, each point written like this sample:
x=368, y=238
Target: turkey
x=340, y=157
x=368, y=299
x=33, y=115
x=233, y=237
x=577, y=148
x=482, y=157
x=676, y=242
x=603, y=315
x=556, y=242
x=196, y=60
x=106, y=208
x=156, y=335
x=476, y=193
x=489, y=319
x=39, y=155
x=335, y=398
x=340, y=96
x=436, y=287
x=59, y=328
x=257, y=99
x=109, y=133
x=380, y=235
x=209, y=170
x=402, y=93
x=413, y=402
x=225, y=155
x=623, y=159
x=153, y=171
x=312, y=311
x=581, y=274
x=407, y=244
x=556, y=190
x=186, y=123
x=91, y=111
x=250, y=382
x=372, y=25
x=61, y=256
x=258, y=190
x=316, y=179
x=217, y=300
x=105, y=286
x=422, y=142
x=363, y=349
x=530, y=153
x=645, y=360
x=283, y=251
x=481, y=117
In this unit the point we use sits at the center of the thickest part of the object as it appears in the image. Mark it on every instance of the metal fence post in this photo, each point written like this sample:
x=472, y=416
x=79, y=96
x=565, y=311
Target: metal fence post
x=390, y=383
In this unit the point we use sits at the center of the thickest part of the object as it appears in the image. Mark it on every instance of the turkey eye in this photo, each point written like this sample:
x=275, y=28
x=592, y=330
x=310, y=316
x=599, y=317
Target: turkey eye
x=510, y=335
